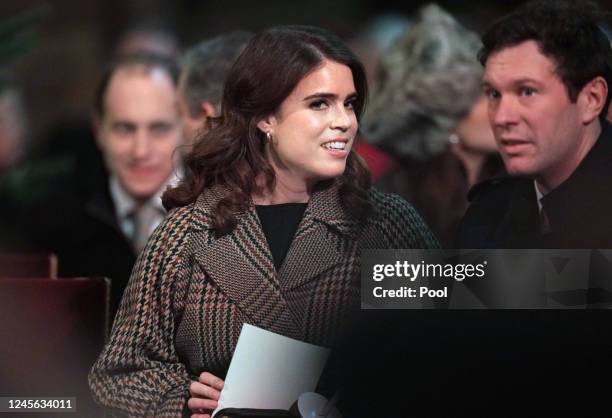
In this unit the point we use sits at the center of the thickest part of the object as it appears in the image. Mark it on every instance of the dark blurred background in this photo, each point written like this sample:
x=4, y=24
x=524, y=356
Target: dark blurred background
x=56, y=50
x=72, y=39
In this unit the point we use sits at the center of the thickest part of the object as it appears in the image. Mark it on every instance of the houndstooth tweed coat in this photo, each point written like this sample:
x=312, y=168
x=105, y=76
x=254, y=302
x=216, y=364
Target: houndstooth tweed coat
x=191, y=292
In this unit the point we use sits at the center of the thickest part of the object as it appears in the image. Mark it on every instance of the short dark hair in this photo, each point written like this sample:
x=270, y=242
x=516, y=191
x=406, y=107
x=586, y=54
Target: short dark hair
x=566, y=32
x=205, y=66
x=146, y=60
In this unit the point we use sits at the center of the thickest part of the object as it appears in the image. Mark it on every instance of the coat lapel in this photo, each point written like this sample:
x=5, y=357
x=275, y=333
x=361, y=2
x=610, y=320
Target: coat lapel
x=519, y=227
x=321, y=241
x=100, y=206
x=241, y=265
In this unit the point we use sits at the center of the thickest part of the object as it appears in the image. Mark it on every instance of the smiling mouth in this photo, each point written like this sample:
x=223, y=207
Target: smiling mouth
x=338, y=145
x=143, y=171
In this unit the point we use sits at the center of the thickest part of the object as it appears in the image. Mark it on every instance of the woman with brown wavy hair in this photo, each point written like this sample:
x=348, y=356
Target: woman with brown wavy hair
x=266, y=228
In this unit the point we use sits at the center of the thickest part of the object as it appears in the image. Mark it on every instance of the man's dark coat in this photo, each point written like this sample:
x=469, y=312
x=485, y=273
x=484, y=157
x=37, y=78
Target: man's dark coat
x=73, y=217
x=504, y=211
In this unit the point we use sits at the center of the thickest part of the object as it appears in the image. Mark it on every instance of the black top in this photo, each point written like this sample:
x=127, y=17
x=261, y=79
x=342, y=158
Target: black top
x=279, y=223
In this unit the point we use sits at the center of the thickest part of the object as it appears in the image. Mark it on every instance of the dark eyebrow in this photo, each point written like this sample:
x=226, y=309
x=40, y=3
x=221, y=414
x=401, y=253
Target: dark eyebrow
x=160, y=123
x=328, y=96
x=526, y=80
x=124, y=124
x=485, y=84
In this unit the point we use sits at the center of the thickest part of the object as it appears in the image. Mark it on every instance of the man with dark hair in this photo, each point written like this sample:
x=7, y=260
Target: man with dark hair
x=138, y=130
x=97, y=224
x=548, y=68
x=204, y=69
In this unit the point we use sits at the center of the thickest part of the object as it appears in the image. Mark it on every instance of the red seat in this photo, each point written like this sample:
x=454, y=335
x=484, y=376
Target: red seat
x=52, y=331
x=28, y=265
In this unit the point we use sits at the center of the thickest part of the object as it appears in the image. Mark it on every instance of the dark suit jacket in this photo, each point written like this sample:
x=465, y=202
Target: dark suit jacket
x=73, y=217
x=190, y=293
x=504, y=211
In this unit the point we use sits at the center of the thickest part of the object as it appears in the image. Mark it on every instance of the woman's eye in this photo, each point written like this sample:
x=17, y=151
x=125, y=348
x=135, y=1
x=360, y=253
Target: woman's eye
x=318, y=105
x=350, y=104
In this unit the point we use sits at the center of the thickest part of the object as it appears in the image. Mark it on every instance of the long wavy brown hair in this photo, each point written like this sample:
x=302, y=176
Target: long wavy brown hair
x=231, y=152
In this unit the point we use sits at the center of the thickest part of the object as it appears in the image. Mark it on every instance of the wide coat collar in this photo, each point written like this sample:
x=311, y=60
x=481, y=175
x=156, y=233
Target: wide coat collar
x=241, y=263
x=577, y=209
x=584, y=196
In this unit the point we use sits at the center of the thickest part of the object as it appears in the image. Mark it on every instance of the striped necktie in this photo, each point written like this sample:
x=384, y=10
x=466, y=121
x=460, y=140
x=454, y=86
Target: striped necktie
x=143, y=217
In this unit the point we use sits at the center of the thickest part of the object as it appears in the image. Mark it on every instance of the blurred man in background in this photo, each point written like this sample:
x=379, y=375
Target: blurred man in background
x=98, y=224
x=203, y=72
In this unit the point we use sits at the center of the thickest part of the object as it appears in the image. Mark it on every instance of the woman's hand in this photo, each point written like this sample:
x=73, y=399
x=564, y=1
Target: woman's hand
x=204, y=395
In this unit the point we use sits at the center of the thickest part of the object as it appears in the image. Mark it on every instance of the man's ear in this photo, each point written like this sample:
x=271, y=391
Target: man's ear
x=208, y=109
x=593, y=98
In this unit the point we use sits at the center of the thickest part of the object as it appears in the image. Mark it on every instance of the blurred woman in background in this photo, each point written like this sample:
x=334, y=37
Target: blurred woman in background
x=427, y=111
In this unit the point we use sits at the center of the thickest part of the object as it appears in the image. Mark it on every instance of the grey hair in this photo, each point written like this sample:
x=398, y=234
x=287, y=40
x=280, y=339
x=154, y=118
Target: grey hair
x=426, y=83
x=205, y=66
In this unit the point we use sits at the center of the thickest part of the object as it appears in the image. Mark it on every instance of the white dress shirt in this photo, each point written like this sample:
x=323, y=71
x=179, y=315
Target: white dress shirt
x=126, y=206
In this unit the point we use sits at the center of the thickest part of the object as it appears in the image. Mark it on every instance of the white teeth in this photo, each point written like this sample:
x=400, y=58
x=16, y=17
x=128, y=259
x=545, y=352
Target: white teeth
x=335, y=145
